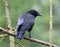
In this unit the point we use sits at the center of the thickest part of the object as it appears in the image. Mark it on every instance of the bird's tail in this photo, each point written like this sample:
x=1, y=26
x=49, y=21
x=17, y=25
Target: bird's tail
x=20, y=35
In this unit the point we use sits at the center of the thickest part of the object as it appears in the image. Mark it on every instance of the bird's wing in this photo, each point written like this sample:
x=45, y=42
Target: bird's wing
x=20, y=21
x=27, y=24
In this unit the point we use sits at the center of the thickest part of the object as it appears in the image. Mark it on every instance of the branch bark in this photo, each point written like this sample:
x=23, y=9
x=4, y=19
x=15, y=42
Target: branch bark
x=51, y=27
x=3, y=35
x=9, y=23
x=29, y=39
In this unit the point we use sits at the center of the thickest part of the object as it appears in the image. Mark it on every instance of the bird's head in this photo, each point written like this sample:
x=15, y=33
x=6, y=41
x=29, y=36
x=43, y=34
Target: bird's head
x=34, y=13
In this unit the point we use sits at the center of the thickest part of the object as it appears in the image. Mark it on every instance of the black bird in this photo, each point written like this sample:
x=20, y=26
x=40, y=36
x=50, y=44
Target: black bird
x=26, y=23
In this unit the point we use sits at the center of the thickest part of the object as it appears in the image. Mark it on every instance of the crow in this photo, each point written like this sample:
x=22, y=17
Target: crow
x=26, y=23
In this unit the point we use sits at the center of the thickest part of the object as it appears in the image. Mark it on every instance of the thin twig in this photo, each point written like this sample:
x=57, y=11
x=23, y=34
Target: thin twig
x=2, y=39
x=8, y=22
x=3, y=35
x=50, y=35
x=19, y=44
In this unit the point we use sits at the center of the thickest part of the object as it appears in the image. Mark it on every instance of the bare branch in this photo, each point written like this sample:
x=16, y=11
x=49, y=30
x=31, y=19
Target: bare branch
x=9, y=22
x=6, y=31
x=19, y=44
x=3, y=35
x=51, y=27
x=29, y=39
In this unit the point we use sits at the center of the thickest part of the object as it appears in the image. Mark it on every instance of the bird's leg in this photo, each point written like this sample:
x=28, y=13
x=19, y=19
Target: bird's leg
x=23, y=34
x=29, y=34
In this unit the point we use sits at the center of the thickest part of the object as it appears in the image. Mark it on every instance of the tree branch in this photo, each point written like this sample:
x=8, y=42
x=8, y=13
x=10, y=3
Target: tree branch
x=29, y=39
x=3, y=35
x=9, y=23
x=51, y=24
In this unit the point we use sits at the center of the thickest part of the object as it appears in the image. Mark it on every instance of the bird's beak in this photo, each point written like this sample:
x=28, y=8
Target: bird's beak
x=40, y=15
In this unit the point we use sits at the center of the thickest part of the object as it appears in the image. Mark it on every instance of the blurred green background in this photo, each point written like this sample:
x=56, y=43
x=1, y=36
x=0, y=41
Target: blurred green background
x=41, y=27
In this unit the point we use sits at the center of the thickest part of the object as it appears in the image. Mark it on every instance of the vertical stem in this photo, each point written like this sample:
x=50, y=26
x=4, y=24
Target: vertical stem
x=9, y=22
x=50, y=35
